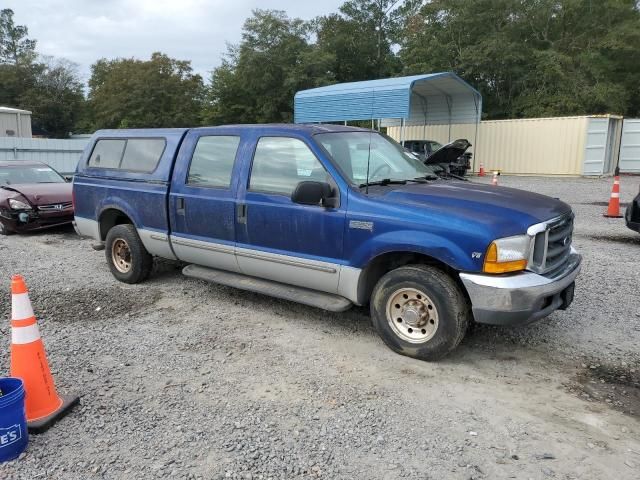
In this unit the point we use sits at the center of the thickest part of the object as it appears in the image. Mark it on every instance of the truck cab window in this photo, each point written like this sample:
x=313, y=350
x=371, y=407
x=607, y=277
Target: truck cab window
x=107, y=153
x=142, y=154
x=280, y=163
x=212, y=162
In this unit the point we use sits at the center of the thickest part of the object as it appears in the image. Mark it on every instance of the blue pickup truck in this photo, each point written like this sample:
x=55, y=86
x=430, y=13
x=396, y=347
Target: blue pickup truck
x=328, y=216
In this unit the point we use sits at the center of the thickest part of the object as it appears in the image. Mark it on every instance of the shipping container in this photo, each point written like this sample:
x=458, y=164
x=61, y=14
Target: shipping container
x=581, y=145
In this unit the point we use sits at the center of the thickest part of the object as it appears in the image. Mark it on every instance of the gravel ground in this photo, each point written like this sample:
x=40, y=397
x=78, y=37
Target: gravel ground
x=184, y=379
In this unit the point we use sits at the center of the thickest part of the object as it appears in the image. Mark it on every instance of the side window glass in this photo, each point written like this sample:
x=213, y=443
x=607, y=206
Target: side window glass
x=280, y=163
x=107, y=153
x=142, y=154
x=213, y=160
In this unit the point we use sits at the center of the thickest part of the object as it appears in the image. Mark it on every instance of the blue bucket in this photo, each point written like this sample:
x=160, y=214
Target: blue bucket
x=13, y=420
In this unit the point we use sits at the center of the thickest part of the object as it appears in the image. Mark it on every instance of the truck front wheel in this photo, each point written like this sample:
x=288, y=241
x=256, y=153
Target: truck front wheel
x=128, y=260
x=419, y=311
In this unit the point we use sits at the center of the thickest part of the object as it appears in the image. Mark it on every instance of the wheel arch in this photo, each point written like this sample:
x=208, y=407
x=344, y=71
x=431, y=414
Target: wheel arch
x=383, y=263
x=110, y=217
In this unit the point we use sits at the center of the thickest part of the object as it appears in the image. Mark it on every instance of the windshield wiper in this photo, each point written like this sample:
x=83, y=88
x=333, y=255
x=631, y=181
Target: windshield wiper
x=383, y=182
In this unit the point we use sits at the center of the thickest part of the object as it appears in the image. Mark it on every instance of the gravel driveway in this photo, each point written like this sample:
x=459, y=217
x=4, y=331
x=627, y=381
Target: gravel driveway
x=183, y=379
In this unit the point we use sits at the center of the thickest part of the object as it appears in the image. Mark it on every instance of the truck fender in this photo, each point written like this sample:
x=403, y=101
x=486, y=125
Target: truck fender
x=424, y=243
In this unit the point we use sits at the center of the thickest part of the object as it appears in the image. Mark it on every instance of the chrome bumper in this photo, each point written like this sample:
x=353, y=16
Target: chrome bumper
x=520, y=298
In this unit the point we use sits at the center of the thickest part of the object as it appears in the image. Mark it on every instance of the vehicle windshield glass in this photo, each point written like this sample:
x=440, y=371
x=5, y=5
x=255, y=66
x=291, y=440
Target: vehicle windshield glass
x=386, y=158
x=33, y=174
x=435, y=146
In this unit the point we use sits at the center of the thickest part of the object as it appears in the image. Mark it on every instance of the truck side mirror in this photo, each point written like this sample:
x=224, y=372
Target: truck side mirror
x=314, y=193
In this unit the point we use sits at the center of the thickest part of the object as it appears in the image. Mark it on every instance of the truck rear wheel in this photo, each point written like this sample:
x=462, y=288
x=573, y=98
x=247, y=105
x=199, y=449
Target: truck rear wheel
x=128, y=260
x=419, y=311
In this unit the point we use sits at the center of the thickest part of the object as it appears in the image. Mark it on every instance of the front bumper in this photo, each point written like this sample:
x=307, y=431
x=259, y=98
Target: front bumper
x=34, y=220
x=520, y=298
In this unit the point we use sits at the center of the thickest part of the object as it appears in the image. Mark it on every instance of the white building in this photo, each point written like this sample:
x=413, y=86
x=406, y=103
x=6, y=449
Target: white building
x=15, y=122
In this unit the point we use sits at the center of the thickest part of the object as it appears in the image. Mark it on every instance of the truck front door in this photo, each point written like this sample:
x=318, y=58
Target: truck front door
x=281, y=240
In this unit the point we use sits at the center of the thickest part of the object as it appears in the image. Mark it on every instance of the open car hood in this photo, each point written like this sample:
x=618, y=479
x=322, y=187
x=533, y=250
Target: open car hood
x=448, y=153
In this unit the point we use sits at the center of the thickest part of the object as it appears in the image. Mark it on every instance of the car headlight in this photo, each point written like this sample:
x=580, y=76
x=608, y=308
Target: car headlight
x=18, y=204
x=509, y=254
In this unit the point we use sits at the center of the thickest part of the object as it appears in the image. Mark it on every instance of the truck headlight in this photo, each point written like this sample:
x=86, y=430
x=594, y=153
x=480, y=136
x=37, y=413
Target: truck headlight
x=509, y=254
x=18, y=204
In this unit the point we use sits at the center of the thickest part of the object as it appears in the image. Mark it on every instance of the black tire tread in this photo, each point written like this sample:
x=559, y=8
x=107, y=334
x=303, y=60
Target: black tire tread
x=455, y=299
x=142, y=261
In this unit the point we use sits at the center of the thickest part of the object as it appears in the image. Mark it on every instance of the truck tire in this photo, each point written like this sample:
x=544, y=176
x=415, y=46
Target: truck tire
x=128, y=260
x=419, y=311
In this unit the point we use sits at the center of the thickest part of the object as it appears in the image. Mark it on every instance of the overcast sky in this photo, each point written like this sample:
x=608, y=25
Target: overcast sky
x=197, y=30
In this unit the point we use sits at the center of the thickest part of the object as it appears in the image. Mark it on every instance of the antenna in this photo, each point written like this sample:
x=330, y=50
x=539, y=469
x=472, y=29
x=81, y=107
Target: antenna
x=368, y=162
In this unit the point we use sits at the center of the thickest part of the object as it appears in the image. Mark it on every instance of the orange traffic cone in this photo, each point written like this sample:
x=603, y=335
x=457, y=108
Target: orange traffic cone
x=481, y=172
x=494, y=180
x=614, y=201
x=29, y=362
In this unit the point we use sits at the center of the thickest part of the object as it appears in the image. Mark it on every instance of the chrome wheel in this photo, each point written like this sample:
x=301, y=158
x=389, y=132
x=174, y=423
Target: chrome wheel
x=121, y=255
x=412, y=315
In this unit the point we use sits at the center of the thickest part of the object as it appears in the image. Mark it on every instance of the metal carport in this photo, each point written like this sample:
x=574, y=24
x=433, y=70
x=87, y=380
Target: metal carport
x=429, y=99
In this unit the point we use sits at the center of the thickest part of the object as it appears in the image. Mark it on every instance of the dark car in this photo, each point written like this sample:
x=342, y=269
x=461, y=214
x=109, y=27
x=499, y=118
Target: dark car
x=632, y=215
x=451, y=159
x=32, y=196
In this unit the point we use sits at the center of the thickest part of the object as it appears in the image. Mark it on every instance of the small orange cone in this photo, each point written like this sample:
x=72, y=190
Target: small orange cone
x=29, y=362
x=481, y=172
x=614, y=201
x=494, y=180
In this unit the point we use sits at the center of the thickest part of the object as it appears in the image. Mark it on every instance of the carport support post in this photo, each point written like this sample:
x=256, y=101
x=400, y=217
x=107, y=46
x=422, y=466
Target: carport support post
x=402, y=132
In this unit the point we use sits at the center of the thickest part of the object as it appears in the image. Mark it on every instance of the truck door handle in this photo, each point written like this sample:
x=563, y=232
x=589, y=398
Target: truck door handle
x=241, y=210
x=180, y=206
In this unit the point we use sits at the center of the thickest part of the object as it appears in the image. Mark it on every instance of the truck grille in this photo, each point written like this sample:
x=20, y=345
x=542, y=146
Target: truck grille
x=552, y=245
x=55, y=207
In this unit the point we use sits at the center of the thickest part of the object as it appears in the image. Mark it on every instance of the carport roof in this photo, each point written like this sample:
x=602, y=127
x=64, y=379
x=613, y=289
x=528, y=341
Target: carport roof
x=419, y=99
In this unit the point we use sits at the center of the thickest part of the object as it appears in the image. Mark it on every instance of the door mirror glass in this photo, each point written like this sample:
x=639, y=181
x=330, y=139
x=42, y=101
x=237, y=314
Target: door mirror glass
x=313, y=193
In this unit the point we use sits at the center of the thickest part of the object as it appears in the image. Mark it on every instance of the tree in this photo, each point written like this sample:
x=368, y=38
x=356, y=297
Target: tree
x=360, y=39
x=56, y=97
x=17, y=60
x=130, y=93
x=537, y=58
x=258, y=78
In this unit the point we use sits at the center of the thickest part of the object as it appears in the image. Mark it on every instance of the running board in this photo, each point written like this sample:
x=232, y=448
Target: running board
x=325, y=301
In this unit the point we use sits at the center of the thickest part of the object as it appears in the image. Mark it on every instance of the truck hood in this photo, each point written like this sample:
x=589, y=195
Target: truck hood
x=39, y=193
x=507, y=211
x=448, y=153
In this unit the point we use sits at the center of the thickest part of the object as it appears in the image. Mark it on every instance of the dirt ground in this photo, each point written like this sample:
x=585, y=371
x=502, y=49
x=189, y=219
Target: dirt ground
x=183, y=379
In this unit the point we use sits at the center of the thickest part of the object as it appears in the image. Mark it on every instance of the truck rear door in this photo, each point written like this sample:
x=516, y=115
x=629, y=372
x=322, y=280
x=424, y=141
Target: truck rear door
x=202, y=199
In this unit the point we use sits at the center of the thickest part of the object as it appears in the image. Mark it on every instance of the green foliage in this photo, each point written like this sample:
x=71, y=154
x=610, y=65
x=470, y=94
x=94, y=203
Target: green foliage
x=360, y=39
x=49, y=88
x=56, y=99
x=130, y=93
x=535, y=58
x=528, y=58
x=259, y=77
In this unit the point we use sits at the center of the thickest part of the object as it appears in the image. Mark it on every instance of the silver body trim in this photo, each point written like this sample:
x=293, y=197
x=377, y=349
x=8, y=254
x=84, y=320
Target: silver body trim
x=86, y=227
x=156, y=243
x=313, y=274
x=348, y=283
x=543, y=227
x=208, y=254
x=519, y=298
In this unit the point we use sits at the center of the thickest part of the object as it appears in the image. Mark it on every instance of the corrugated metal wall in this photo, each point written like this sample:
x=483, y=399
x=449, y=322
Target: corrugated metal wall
x=9, y=121
x=630, y=148
x=63, y=155
x=533, y=146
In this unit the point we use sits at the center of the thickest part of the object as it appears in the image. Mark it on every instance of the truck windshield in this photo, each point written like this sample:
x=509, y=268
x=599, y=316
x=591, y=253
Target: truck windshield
x=32, y=174
x=351, y=151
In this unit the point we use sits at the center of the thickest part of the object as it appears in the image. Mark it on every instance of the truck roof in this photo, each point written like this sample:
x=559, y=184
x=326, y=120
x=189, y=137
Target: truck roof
x=264, y=127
